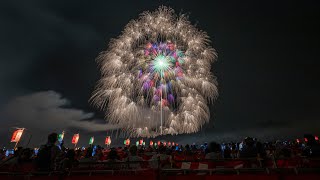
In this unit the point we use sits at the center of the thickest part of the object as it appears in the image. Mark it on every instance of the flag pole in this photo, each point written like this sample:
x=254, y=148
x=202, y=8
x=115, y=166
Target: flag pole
x=161, y=112
x=15, y=146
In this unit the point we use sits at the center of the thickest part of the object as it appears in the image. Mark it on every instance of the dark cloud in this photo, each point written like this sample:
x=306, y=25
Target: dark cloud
x=45, y=112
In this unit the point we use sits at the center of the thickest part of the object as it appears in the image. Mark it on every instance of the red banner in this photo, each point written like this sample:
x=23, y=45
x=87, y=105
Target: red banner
x=75, y=139
x=127, y=142
x=108, y=140
x=16, y=135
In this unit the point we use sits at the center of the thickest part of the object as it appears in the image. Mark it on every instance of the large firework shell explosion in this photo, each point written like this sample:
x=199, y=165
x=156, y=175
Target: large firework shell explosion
x=156, y=76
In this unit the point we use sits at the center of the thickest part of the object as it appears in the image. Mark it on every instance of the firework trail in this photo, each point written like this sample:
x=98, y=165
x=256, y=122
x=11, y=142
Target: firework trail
x=156, y=76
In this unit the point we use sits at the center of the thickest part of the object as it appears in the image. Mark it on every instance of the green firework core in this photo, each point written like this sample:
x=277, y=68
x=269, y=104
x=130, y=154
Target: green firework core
x=161, y=64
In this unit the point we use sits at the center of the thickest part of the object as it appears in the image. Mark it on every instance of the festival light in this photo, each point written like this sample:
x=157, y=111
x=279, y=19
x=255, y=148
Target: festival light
x=108, y=141
x=156, y=76
x=61, y=136
x=17, y=135
x=151, y=143
x=75, y=139
x=140, y=142
x=316, y=138
x=127, y=142
x=91, y=140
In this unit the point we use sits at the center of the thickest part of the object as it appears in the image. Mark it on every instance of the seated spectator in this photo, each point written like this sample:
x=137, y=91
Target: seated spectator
x=261, y=150
x=25, y=155
x=214, y=151
x=133, y=157
x=164, y=157
x=249, y=150
x=69, y=161
x=234, y=151
x=113, y=156
x=227, y=152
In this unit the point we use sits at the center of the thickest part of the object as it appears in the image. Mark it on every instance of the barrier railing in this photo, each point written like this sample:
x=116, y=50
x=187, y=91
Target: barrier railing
x=156, y=169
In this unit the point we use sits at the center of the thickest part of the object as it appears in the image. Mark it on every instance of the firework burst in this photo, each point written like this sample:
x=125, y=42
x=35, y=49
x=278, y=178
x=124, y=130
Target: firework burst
x=156, y=76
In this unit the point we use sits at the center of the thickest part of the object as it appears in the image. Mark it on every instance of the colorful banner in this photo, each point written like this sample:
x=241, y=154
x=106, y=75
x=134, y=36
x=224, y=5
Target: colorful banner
x=61, y=136
x=91, y=140
x=75, y=139
x=140, y=142
x=108, y=140
x=126, y=142
x=16, y=135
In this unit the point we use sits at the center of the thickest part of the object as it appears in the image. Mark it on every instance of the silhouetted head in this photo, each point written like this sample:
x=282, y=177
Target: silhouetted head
x=214, y=147
x=133, y=150
x=113, y=154
x=52, y=138
x=249, y=141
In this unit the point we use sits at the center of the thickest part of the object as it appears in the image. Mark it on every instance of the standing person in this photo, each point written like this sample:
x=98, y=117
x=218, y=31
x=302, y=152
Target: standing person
x=48, y=154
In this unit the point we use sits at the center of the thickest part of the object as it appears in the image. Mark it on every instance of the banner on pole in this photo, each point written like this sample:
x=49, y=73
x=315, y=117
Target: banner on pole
x=141, y=142
x=108, y=140
x=91, y=140
x=16, y=135
x=75, y=139
x=126, y=142
x=61, y=136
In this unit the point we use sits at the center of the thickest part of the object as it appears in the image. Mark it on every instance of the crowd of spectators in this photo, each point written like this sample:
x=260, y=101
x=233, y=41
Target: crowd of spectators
x=56, y=157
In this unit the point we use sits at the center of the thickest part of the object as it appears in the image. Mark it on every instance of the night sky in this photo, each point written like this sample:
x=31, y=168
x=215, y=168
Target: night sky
x=267, y=69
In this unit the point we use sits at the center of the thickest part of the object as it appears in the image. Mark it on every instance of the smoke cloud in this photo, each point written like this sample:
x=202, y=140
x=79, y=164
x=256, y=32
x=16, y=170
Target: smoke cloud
x=44, y=112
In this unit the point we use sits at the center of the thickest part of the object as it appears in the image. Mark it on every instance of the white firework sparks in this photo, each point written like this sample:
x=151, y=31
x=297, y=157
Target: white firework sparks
x=156, y=76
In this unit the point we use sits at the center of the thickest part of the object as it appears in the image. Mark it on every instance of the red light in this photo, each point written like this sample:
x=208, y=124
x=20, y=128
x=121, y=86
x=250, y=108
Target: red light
x=316, y=138
x=305, y=139
x=107, y=141
x=298, y=141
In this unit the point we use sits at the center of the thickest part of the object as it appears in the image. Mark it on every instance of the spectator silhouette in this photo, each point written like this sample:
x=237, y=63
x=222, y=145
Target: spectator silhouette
x=69, y=161
x=48, y=154
x=249, y=150
x=214, y=151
